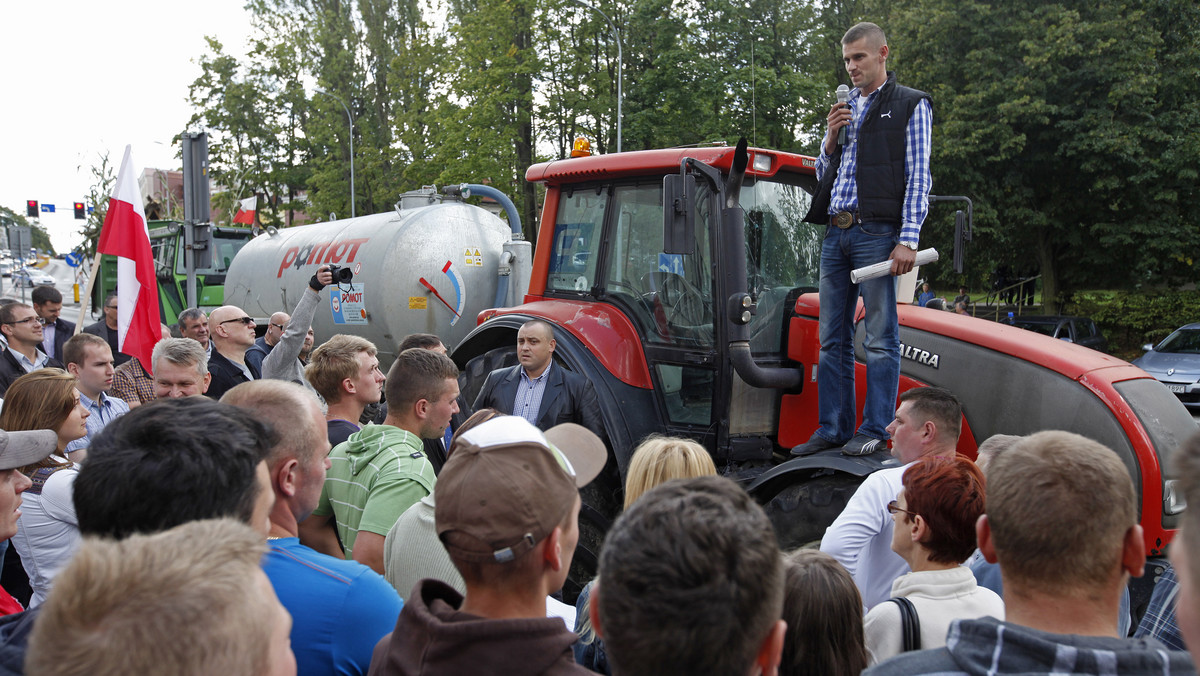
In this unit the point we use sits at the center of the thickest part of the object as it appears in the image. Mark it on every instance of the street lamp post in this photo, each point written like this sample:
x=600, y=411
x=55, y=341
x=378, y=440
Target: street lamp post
x=351, y=121
x=620, y=63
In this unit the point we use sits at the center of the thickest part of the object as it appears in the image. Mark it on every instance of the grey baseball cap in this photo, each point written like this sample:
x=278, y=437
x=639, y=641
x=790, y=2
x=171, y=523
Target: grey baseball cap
x=18, y=449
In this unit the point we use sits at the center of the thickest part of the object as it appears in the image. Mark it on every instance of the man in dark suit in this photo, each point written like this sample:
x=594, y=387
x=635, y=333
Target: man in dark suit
x=231, y=333
x=538, y=390
x=107, y=329
x=47, y=303
x=22, y=328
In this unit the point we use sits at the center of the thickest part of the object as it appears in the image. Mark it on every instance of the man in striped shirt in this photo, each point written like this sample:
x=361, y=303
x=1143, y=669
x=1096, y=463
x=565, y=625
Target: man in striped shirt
x=381, y=470
x=872, y=198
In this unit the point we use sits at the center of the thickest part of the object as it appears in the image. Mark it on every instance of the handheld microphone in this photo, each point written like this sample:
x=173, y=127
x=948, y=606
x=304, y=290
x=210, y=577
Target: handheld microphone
x=843, y=95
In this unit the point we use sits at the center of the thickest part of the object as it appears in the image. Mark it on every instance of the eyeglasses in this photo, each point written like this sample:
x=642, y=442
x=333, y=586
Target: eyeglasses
x=110, y=307
x=894, y=506
x=281, y=327
x=27, y=320
x=245, y=320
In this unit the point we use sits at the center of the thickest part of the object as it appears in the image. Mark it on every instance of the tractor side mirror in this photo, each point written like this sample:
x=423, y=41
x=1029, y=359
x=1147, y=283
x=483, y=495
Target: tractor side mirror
x=679, y=214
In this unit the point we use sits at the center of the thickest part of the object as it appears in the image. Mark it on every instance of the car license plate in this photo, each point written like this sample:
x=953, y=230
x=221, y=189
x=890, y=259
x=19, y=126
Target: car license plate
x=1177, y=389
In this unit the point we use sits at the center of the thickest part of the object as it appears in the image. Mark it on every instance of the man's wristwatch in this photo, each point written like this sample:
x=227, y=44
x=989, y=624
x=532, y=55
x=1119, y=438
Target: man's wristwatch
x=911, y=245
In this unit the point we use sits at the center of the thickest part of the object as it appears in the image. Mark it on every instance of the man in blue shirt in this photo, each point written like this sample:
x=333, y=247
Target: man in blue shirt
x=340, y=609
x=90, y=360
x=872, y=196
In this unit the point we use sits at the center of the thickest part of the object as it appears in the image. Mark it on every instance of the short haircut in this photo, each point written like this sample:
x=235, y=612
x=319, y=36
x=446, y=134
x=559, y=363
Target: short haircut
x=993, y=445
x=425, y=341
x=936, y=404
x=823, y=611
x=74, y=351
x=180, y=352
x=948, y=494
x=659, y=459
x=1187, y=468
x=546, y=326
x=284, y=406
x=334, y=361
x=168, y=462
x=865, y=29
x=415, y=375
x=190, y=315
x=188, y=601
x=8, y=312
x=1040, y=486
x=109, y=297
x=45, y=294
x=690, y=582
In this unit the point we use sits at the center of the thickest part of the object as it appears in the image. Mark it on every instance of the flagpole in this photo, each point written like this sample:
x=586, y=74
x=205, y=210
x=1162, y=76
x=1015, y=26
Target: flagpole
x=87, y=296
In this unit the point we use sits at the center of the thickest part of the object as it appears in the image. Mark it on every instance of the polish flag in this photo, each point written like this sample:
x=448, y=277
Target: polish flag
x=125, y=236
x=245, y=213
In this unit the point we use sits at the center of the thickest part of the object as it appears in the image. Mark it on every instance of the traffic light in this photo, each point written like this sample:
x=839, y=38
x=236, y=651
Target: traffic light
x=80, y=211
x=31, y=208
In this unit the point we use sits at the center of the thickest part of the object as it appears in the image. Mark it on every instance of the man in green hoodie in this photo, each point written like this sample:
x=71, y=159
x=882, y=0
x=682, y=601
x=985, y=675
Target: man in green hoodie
x=382, y=470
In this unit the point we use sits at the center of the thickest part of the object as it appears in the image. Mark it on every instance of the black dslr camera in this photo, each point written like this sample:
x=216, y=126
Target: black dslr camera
x=340, y=274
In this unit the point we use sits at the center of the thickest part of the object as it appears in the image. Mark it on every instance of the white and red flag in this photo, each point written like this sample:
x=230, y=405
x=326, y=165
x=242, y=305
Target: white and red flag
x=125, y=236
x=246, y=211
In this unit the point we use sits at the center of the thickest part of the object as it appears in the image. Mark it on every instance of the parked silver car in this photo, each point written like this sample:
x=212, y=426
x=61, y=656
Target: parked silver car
x=1175, y=362
x=32, y=277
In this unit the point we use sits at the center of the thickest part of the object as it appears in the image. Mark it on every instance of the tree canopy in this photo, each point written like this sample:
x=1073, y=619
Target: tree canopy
x=1074, y=127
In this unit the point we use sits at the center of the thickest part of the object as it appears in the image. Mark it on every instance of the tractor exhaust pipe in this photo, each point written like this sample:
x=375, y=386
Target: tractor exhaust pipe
x=740, y=307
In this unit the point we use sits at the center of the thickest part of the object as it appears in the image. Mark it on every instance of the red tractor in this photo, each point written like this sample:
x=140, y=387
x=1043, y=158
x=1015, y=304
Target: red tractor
x=682, y=283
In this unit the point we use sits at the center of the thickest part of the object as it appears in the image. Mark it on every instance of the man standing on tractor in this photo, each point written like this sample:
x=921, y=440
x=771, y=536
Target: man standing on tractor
x=873, y=197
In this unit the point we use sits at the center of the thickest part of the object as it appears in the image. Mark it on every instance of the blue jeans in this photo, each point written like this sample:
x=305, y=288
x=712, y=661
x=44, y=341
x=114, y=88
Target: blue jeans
x=841, y=252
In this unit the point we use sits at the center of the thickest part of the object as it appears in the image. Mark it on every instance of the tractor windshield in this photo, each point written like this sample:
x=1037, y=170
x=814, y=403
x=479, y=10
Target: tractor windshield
x=671, y=295
x=782, y=254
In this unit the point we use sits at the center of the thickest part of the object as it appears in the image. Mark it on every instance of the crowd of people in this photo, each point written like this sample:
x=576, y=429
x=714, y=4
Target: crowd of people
x=280, y=508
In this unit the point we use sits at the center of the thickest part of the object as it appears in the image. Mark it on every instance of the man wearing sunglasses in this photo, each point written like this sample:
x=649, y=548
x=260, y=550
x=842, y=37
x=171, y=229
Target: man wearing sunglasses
x=22, y=328
x=231, y=331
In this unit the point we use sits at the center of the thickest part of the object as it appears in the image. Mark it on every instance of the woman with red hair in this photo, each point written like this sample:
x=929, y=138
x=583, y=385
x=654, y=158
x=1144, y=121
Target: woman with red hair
x=934, y=532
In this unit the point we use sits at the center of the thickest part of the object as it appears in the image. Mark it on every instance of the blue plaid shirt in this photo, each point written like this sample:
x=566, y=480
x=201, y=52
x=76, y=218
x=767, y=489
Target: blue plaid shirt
x=917, y=143
x=1159, y=620
x=103, y=410
x=529, y=395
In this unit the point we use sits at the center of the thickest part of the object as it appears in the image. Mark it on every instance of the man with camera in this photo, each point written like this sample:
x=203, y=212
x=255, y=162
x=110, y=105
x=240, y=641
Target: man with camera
x=286, y=360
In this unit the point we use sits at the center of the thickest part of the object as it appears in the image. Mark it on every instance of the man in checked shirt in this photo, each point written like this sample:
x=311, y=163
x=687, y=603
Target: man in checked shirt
x=872, y=197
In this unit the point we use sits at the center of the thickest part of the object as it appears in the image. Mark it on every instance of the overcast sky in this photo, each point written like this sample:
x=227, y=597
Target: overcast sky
x=82, y=78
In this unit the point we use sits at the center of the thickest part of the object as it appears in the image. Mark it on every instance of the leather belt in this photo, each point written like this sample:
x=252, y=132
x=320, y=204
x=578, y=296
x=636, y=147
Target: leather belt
x=845, y=219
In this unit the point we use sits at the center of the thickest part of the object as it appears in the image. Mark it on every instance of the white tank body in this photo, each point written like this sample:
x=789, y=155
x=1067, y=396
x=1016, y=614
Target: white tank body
x=428, y=269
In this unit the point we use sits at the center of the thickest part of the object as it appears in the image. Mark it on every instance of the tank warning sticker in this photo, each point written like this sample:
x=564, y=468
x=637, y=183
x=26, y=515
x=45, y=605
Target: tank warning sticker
x=473, y=257
x=346, y=304
x=418, y=303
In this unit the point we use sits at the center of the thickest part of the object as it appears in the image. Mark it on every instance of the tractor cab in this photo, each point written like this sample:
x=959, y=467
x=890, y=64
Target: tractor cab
x=609, y=244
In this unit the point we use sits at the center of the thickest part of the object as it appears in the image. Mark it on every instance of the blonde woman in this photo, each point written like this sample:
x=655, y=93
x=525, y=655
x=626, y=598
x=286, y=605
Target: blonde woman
x=656, y=460
x=47, y=530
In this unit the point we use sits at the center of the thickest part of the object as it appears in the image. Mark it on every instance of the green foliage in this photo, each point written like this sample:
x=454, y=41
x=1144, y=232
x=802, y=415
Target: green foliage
x=1131, y=319
x=1057, y=118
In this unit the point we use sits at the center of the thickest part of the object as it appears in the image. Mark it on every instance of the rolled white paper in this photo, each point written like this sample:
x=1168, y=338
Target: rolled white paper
x=924, y=257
